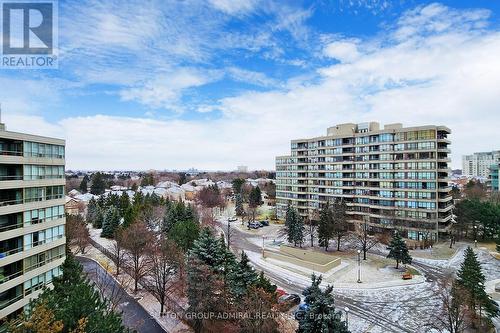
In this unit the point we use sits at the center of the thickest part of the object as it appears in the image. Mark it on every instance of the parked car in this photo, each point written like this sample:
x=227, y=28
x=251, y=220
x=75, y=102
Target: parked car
x=253, y=225
x=233, y=219
x=301, y=311
x=291, y=299
x=264, y=223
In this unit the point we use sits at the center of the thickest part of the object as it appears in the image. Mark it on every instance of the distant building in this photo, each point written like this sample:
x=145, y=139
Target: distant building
x=32, y=219
x=242, y=168
x=72, y=205
x=392, y=177
x=493, y=177
x=478, y=164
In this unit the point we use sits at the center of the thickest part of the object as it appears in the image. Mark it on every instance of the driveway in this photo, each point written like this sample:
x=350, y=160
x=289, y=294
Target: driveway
x=134, y=316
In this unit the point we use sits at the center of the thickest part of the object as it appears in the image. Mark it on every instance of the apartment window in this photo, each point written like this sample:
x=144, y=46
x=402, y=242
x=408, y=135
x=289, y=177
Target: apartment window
x=35, y=149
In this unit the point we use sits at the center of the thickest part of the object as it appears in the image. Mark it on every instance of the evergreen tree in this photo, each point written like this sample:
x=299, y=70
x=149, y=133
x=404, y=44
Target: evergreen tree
x=240, y=211
x=98, y=217
x=242, y=277
x=98, y=184
x=255, y=197
x=74, y=298
x=91, y=211
x=294, y=226
x=184, y=234
x=209, y=250
x=398, y=250
x=84, y=184
x=111, y=222
x=471, y=278
x=325, y=228
x=238, y=185
x=320, y=315
x=264, y=283
x=124, y=204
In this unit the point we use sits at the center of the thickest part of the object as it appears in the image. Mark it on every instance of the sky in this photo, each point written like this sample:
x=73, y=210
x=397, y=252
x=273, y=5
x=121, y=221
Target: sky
x=216, y=84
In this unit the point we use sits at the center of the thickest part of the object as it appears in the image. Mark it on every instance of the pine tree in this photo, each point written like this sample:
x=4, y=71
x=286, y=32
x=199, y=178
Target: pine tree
x=111, y=222
x=325, y=228
x=398, y=250
x=98, y=217
x=184, y=234
x=208, y=250
x=84, y=184
x=320, y=315
x=240, y=211
x=471, y=278
x=294, y=226
x=124, y=204
x=264, y=283
x=242, y=277
x=91, y=211
x=98, y=184
x=74, y=298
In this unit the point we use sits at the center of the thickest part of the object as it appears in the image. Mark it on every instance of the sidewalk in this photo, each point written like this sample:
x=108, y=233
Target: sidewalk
x=170, y=321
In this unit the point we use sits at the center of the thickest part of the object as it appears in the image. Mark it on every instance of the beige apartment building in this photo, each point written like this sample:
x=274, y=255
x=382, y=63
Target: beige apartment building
x=391, y=177
x=32, y=235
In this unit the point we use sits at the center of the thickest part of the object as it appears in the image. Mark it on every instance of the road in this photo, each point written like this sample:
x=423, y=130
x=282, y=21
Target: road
x=239, y=241
x=134, y=316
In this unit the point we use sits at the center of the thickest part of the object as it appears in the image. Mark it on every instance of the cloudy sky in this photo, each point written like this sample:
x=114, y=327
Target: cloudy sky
x=220, y=83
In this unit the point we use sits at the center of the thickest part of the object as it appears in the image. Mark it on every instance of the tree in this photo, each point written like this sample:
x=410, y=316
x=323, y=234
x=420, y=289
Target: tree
x=238, y=201
x=124, y=204
x=110, y=223
x=242, y=277
x=365, y=241
x=91, y=211
x=294, y=226
x=398, y=250
x=339, y=213
x=119, y=255
x=77, y=233
x=320, y=315
x=98, y=184
x=166, y=262
x=325, y=227
x=264, y=283
x=84, y=184
x=184, y=234
x=137, y=240
x=74, y=300
x=471, y=278
x=259, y=307
x=147, y=180
x=454, y=316
x=238, y=185
x=40, y=319
x=182, y=178
x=255, y=198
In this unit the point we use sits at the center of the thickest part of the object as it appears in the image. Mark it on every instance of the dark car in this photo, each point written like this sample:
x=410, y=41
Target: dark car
x=301, y=311
x=291, y=299
x=264, y=223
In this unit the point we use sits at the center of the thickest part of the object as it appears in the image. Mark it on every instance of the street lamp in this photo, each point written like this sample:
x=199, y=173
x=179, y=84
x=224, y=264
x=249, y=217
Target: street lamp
x=359, y=266
x=479, y=302
x=475, y=233
x=347, y=316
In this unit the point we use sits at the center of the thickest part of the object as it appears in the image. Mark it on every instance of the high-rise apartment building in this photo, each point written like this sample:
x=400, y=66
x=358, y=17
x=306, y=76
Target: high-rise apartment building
x=391, y=177
x=32, y=220
x=494, y=177
x=478, y=164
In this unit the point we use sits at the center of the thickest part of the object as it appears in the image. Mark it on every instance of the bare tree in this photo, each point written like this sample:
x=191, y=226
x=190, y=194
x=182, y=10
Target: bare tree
x=137, y=240
x=118, y=250
x=339, y=209
x=153, y=216
x=77, y=233
x=108, y=289
x=455, y=316
x=365, y=241
x=164, y=275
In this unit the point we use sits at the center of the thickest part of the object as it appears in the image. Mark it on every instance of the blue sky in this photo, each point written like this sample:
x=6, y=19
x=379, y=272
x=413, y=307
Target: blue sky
x=215, y=84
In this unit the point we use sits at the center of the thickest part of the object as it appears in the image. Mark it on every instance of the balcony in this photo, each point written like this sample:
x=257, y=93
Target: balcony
x=11, y=271
x=11, y=246
x=11, y=221
x=11, y=147
x=11, y=172
x=11, y=296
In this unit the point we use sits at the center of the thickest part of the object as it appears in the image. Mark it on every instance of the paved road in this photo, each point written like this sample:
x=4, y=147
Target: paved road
x=134, y=316
x=239, y=241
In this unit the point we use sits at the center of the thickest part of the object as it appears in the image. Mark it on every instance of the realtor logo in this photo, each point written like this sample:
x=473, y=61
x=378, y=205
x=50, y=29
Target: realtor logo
x=29, y=38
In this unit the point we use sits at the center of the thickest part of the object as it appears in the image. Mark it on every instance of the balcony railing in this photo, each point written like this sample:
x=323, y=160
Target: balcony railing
x=11, y=178
x=6, y=303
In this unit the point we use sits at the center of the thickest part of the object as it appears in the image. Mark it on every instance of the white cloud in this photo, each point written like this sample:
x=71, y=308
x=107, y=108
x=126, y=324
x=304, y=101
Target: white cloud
x=166, y=89
x=256, y=78
x=433, y=75
x=235, y=7
x=344, y=51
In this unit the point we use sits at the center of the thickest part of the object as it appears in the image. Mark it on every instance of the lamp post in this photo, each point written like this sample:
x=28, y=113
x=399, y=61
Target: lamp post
x=263, y=237
x=479, y=302
x=359, y=266
x=347, y=316
x=475, y=233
